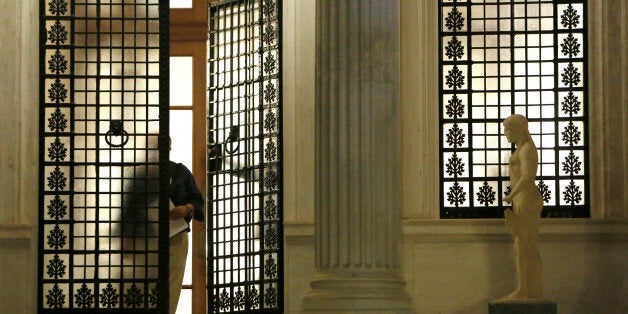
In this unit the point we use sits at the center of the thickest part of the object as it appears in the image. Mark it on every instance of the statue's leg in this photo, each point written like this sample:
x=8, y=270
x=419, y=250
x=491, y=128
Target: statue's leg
x=518, y=293
x=525, y=261
x=534, y=279
x=530, y=259
x=513, y=225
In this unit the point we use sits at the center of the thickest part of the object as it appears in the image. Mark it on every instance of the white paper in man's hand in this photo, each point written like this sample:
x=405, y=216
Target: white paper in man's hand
x=178, y=225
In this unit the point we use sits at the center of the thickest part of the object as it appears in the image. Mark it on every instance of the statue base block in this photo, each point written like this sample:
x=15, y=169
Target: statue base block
x=527, y=307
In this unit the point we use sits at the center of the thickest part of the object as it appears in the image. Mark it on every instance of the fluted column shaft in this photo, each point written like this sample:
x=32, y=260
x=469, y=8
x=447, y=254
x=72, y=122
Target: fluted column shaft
x=358, y=158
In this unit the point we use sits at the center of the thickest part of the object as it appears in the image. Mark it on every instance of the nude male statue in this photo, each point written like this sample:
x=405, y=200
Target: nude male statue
x=523, y=221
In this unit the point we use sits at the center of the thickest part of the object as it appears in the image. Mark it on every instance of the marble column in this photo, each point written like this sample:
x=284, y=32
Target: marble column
x=358, y=158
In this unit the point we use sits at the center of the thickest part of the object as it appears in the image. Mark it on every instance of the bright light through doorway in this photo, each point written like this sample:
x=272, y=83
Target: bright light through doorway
x=181, y=147
x=180, y=4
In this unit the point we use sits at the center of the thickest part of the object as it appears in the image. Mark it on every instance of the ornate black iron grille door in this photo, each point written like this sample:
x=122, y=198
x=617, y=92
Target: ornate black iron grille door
x=103, y=156
x=501, y=58
x=244, y=178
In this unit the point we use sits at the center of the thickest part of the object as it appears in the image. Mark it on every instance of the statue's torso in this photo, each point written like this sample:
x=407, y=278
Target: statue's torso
x=529, y=194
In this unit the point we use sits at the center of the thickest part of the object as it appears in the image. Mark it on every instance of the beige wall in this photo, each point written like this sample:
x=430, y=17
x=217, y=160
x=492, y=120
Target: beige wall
x=449, y=266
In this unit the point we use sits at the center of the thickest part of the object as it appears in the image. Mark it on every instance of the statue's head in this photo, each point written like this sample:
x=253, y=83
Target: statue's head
x=516, y=128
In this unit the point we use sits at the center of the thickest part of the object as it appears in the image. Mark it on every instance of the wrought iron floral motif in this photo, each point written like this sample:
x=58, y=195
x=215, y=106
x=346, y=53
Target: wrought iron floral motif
x=215, y=303
x=109, y=296
x=270, y=267
x=57, y=208
x=270, y=64
x=133, y=297
x=270, y=209
x=546, y=194
x=57, y=91
x=253, y=298
x=84, y=298
x=270, y=237
x=570, y=17
x=56, y=239
x=153, y=296
x=571, y=134
x=224, y=301
x=455, y=108
x=570, y=75
x=270, y=152
x=486, y=194
x=456, y=194
x=455, y=166
x=270, y=93
x=268, y=8
x=57, y=179
x=570, y=46
x=239, y=300
x=572, y=194
x=571, y=104
x=55, y=298
x=455, y=137
x=270, y=121
x=572, y=164
x=57, y=63
x=454, y=49
x=454, y=20
x=58, y=34
x=57, y=150
x=269, y=34
x=454, y=78
x=271, y=180
x=507, y=191
x=55, y=267
x=57, y=121
x=270, y=296
x=57, y=7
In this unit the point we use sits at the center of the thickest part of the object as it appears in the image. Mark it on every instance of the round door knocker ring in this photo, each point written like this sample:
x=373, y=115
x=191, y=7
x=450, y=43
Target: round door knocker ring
x=116, y=130
x=234, y=135
x=125, y=138
x=230, y=149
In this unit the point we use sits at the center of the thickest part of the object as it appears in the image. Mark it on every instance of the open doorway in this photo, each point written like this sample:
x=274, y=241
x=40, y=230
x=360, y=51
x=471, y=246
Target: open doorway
x=225, y=107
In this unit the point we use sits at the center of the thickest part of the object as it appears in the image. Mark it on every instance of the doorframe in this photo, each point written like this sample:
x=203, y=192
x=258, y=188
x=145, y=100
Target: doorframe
x=188, y=37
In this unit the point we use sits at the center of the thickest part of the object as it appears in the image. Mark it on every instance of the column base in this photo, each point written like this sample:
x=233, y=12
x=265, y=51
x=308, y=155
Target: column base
x=523, y=307
x=357, y=292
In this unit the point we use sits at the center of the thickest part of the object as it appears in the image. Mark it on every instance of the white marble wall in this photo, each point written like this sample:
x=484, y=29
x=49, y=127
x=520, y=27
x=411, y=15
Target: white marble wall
x=299, y=20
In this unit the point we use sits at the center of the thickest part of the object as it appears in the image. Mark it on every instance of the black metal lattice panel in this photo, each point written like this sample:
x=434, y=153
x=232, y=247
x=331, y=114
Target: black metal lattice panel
x=499, y=58
x=245, y=230
x=103, y=156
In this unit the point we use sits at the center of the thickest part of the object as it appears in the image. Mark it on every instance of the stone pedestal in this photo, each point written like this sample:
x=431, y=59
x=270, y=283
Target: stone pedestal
x=530, y=307
x=358, y=157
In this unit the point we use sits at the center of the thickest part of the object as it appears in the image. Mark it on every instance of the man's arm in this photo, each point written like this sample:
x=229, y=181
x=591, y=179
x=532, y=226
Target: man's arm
x=195, y=198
